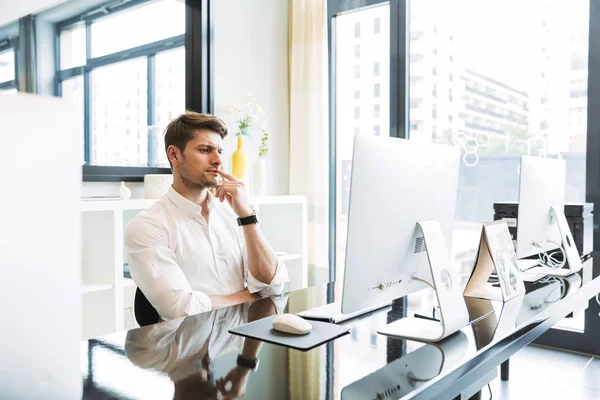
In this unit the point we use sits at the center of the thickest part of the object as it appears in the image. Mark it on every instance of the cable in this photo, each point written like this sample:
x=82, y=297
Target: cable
x=550, y=260
x=424, y=281
x=551, y=279
x=490, y=389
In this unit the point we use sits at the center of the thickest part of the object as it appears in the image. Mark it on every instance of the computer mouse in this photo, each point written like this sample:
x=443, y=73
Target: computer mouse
x=291, y=323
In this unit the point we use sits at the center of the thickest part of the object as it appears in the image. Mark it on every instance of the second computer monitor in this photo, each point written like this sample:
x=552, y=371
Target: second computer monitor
x=541, y=186
x=395, y=184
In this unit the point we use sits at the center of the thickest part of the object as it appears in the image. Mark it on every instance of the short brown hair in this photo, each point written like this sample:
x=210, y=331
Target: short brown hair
x=181, y=130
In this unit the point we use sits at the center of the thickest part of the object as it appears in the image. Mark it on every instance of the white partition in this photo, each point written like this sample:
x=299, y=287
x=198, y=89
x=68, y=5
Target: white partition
x=40, y=147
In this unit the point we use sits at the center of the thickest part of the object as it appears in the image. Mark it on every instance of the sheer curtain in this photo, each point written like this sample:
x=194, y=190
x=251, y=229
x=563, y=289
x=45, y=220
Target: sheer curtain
x=309, y=136
x=309, y=140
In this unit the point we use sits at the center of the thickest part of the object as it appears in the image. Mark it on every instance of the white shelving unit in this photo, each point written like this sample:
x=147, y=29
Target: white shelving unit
x=107, y=296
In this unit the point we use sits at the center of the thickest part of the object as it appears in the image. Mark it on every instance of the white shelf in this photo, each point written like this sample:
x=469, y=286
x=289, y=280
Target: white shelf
x=128, y=282
x=107, y=205
x=277, y=199
x=138, y=204
x=289, y=257
x=95, y=288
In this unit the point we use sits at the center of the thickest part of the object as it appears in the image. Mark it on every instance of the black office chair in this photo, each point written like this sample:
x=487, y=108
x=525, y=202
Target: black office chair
x=145, y=313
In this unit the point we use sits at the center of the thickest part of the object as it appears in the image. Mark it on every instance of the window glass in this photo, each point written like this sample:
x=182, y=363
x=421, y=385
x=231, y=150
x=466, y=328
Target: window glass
x=119, y=114
x=72, y=47
x=137, y=26
x=7, y=65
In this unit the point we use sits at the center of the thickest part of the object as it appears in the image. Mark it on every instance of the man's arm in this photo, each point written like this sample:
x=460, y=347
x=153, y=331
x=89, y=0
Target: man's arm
x=243, y=296
x=262, y=260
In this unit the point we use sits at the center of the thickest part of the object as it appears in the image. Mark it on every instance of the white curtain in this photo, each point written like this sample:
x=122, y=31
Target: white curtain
x=309, y=162
x=309, y=135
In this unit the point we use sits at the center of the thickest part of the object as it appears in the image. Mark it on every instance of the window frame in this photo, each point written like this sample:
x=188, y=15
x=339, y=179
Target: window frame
x=13, y=44
x=100, y=173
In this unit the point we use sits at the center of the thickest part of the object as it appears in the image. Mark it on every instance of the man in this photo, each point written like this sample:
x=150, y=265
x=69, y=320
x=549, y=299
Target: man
x=193, y=252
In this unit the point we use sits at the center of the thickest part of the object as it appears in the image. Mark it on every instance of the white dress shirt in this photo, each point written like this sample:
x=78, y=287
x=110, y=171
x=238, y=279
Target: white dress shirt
x=178, y=260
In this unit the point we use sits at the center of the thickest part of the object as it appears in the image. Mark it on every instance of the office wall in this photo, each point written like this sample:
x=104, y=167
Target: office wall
x=251, y=55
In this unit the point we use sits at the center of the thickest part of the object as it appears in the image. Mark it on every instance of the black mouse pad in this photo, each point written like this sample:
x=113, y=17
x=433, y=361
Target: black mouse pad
x=262, y=329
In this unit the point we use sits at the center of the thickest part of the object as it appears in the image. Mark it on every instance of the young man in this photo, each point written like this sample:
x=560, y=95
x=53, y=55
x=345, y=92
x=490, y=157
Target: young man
x=193, y=252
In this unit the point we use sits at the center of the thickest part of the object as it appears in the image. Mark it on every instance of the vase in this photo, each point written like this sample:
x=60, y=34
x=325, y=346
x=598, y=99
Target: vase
x=156, y=185
x=124, y=191
x=239, y=164
x=260, y=177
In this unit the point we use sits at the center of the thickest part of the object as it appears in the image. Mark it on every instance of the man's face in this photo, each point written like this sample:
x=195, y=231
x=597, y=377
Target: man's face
x=201, y=155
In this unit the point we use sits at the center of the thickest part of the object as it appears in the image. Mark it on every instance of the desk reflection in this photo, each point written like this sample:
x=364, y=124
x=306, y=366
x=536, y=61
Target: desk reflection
x=405, y=374
x=184, y=349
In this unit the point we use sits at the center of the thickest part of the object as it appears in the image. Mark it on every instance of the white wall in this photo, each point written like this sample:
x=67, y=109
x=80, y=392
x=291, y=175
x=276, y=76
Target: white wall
x=251, y=55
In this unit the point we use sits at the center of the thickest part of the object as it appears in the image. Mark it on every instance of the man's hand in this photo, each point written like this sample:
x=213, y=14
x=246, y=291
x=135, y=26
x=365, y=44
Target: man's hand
x=233, y=386
x=235, y=193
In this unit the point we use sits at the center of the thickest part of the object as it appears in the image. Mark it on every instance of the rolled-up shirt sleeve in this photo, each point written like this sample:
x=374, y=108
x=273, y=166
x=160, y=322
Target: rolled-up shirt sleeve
x=155, y=270
x=275, y=287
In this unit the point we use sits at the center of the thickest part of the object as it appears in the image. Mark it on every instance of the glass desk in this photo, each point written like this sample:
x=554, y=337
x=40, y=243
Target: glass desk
x=195, y=357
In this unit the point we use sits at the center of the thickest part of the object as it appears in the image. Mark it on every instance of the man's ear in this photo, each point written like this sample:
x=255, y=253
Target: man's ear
x=174, y=154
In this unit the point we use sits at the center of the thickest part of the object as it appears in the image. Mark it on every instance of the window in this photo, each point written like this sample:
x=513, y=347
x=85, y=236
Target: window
x=376, y=110
x=434, y=111
x=350, y=94
x=357, y=51
x=376, y=130
x=8, y=77
x=510, y=119
x=357, y=130
x=125, y=71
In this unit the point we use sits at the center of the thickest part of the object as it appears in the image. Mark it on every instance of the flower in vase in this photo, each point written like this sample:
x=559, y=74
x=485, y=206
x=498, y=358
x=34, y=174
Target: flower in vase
x=247, y=115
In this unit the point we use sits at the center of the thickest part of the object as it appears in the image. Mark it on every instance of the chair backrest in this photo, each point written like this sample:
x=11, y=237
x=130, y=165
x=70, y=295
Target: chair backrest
x=145, y=313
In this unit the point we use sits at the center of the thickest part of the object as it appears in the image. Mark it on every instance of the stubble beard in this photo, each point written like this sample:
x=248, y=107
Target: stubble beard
x=194, y=183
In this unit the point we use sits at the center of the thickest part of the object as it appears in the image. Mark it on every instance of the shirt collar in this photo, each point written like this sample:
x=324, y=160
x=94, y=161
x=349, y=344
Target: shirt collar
x=190, y=208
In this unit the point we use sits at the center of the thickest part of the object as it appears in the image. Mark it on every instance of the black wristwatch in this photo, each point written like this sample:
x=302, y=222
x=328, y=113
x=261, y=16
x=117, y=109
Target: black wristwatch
x=247, y=363
x=248, y=220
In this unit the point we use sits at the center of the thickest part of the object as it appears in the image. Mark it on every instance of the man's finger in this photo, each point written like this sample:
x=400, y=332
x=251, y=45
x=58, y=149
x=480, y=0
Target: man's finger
x=226, y=175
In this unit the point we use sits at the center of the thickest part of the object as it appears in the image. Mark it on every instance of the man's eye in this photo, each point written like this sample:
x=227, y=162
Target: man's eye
x=204, y=150
x=220, y=151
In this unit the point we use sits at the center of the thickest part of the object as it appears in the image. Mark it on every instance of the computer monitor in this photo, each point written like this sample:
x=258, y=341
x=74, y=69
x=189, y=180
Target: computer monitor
x=541, y=224
x=400, y=220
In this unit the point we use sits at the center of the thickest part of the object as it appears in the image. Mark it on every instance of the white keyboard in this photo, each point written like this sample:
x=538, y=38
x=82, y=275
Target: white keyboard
x=332, y=312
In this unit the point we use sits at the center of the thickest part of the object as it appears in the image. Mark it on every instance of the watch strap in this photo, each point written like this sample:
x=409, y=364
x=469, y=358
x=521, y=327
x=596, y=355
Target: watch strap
x=252, y=219
x=247, y=363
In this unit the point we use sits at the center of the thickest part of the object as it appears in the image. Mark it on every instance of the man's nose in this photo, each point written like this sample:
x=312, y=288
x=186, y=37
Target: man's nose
x=217, y=160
